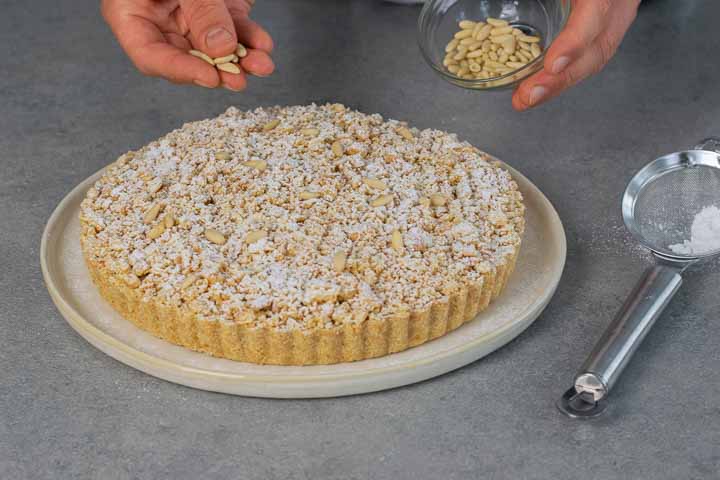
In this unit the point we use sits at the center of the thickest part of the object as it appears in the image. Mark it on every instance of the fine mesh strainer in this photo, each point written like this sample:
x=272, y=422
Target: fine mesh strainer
x=658, y=208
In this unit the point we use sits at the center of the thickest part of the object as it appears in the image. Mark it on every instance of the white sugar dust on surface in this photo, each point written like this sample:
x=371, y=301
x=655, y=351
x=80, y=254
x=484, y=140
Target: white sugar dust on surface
x=704, y=233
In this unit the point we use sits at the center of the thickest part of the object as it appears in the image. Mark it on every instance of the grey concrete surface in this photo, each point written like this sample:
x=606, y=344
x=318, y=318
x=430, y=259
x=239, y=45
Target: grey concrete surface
x=70, y=102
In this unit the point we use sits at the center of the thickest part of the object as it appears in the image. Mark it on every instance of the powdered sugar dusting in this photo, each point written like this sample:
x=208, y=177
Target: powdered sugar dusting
x=704, y=234
x=310, y=203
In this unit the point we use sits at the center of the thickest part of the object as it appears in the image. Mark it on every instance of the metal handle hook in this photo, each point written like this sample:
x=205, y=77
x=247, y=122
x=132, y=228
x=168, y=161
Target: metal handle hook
x=618, y=344
x=711, y=144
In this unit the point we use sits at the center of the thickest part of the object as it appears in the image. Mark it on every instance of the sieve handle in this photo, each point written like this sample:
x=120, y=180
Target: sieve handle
x=611, y=354
x=711, y=144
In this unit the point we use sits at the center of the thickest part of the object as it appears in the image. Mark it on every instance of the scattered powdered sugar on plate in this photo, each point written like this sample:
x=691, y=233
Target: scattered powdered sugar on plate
x=704, y=233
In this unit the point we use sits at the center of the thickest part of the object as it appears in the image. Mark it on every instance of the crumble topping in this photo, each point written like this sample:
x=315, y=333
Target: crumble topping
x=302, y=217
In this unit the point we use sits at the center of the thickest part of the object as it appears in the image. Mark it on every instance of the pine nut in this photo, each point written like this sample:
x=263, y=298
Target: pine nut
x=501, y=38
x=475, y=54
x=396, y=240
x=510, y=46
x=494, y=64
x=225, y=59
x=405, y=133
x=153, y=213
x=155, y=185
x=424, y=201
x=463, y=34
x=474, y=46
x=201, y=55
x=169, y=220
x=501, y=31
x=310, y=132
x=381, y=200
x=453, y=69
x=215, y=237
x=229, y=68
x=337, y=148
x=375, y=183
x=515, y=64
x=308, y=195
x=535, y=50
x=467, y=41
x=156, y=231
x=528, y=38
x=256, y=164
x=271, y=125
x=459, y=56
x=255, y=235
x=452, y=45
x=438, y=200
x=496, y=22
x=241, y=51
x=465, y=24
x=503, y=58
x=478, y=27
x=463, y=71
x=483, y=33
x=475, y=67
x=338, y=261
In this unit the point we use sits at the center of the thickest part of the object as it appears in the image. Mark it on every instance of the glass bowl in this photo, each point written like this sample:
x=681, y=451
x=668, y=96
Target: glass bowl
x=439, y=19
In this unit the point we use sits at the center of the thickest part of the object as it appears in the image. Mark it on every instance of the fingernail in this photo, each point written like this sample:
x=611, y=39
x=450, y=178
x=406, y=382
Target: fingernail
x=218, y=37
x=536, y=94
x=559, y=64
x=228, y=87
x=200, y=83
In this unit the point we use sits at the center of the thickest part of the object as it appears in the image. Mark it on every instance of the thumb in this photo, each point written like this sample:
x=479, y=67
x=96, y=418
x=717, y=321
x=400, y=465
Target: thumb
x=211, y=26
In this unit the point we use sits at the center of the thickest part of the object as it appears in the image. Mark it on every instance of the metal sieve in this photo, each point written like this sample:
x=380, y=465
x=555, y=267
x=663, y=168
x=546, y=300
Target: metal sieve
x=658, y=209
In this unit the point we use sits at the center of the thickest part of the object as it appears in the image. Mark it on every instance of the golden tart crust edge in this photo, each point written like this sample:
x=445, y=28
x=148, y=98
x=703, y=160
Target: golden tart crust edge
x=266, y=345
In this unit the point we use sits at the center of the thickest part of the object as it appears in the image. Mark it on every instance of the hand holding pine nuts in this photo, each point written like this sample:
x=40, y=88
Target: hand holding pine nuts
x=171, y=39
x=586, y=44
x=487, y=49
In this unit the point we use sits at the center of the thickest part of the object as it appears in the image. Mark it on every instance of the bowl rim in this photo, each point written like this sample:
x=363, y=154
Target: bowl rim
x=485, y=83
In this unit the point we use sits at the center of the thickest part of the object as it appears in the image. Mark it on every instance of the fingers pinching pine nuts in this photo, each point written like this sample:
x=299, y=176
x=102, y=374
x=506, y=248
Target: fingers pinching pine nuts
x=486, y=49
x=228, y=63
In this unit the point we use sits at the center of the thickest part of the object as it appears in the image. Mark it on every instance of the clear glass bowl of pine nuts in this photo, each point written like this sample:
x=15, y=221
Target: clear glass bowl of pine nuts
x=489, y=44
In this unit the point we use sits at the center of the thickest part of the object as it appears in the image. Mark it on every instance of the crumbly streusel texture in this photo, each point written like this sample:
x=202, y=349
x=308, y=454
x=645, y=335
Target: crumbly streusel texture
x=301, y=235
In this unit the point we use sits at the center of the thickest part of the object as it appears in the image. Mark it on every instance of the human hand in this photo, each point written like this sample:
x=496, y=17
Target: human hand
x=586, y=44
x=157, y=35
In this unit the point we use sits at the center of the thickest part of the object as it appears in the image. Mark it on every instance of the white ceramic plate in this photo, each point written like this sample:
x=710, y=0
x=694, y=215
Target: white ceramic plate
x=536, y=276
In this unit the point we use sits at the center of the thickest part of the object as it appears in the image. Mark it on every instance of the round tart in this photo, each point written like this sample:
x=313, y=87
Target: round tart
x=301, y=235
